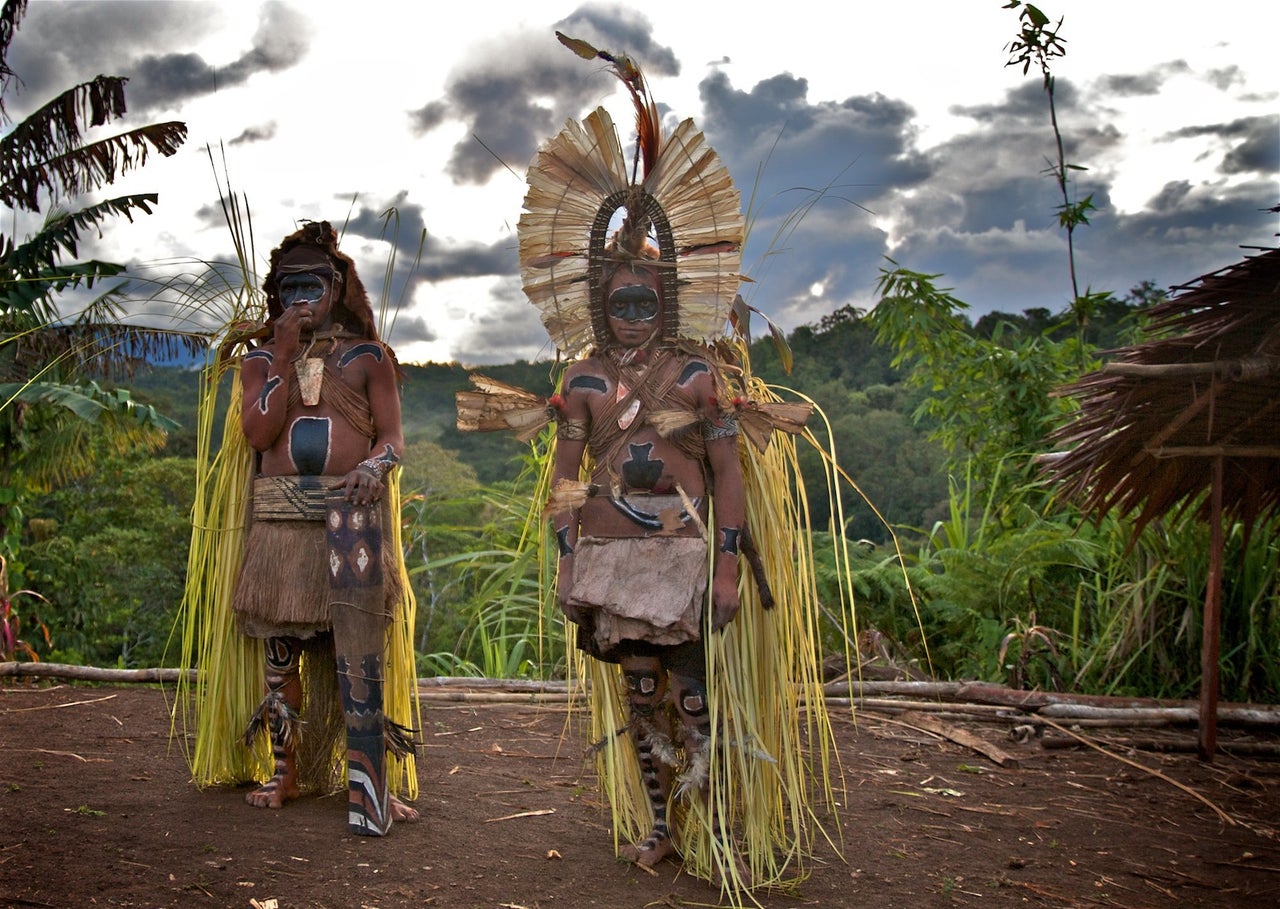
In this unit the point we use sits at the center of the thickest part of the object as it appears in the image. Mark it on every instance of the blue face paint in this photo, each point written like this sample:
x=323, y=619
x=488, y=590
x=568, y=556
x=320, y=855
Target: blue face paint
x=633, y=303
x=301, y=289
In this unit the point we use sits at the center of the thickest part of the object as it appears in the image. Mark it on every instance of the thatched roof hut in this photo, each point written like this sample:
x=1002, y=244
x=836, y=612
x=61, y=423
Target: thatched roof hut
x=1189, y=418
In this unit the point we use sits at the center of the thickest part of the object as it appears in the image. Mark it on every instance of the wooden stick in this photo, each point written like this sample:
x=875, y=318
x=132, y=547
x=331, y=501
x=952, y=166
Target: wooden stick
x=960, y=737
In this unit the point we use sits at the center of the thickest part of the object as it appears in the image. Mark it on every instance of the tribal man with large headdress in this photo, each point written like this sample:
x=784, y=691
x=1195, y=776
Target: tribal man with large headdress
x=311, y=444
x=635, y=271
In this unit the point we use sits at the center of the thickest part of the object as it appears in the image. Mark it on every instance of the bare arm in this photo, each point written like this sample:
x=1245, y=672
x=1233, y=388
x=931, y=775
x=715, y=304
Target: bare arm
x=265, y=402
x=730, y=513
x=367, y=482
x=266, y=390
x=573, y=421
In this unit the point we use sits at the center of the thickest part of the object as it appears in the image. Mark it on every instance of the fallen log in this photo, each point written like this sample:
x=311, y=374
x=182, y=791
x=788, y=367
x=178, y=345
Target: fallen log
x=90, y=673
x=981, y=700
x=1180, y=745
x=1058, y=704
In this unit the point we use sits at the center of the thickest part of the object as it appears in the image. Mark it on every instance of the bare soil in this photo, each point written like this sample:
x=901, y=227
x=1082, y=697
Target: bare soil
x=97, y=809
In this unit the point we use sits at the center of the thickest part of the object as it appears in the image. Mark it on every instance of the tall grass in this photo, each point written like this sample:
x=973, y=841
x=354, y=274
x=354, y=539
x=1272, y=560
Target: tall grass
x=502, y=608
x=1024, y=590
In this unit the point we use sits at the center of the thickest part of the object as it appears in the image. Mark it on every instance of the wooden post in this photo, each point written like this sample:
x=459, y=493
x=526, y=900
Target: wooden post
x=1212, y=622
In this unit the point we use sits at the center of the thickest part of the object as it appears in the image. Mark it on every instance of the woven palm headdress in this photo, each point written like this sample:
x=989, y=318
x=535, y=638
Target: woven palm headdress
x=676, y=209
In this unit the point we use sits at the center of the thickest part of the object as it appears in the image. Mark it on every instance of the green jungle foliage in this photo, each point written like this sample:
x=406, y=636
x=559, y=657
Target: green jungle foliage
x=985, y=575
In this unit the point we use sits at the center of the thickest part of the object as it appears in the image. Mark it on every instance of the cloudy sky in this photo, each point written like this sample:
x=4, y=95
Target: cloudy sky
x=896, y=128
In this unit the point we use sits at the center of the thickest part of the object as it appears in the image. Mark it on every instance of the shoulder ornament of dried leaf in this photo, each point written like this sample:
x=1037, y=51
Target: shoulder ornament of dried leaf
x=679, y=198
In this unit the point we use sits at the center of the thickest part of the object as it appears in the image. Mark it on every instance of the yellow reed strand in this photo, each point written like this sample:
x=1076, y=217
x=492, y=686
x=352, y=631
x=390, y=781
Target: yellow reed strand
x=229, y=679
x=401, y=699
x=771, y=737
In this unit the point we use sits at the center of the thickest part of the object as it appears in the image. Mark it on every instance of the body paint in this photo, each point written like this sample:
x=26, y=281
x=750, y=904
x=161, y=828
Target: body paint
x=588, y=383
x=692, y=369
x=366, y=349
x=309, y=439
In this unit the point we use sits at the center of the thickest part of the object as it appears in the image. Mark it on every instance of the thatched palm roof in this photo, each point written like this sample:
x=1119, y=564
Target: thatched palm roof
x=1206, y=385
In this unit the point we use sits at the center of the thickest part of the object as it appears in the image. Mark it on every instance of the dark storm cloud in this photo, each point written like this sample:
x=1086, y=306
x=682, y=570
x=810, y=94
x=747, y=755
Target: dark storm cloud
x=774, y=128
x=813, y=175
x=1129, y=86
x=263, y=133
x=420, y=258
x=1254, y=143
x=1225, y=78
x=410, y=330
x=61, y=44
x=280, y=42
x=436, y=261
x=518, y=91
x=1027, y=104
x=508, y=329
x=1132, y=85
x=1259, y=152
x=428, y=117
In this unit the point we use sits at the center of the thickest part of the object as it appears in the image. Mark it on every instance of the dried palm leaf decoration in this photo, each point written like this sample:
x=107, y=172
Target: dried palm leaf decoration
x=678, y=197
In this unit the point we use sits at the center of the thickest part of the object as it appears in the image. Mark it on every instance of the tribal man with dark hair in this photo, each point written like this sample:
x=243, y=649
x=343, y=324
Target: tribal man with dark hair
x=321, y=407
x=633, y=563
x=664, y=444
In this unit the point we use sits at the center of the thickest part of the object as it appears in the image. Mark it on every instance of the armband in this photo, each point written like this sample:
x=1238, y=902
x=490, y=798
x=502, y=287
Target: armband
x=723, y=428
x=729, y=539
x=379, y=467
x=572, y=430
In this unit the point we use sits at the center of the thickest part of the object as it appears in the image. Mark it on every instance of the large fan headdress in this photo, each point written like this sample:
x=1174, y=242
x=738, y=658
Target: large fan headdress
x=677, y=210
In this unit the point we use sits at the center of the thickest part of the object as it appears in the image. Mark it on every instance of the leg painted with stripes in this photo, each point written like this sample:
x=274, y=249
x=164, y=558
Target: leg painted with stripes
x=368, y=801
x=278, y=715
x=358, y=612
x=650, y=730
x=690, y=696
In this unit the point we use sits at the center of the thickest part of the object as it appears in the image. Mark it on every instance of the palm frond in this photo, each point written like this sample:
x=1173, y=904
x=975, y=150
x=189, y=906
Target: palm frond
x=60, y=234
x=10, y=14
x=44, y=152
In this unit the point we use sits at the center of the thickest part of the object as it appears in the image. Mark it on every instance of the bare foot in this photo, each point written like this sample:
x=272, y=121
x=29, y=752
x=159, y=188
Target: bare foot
x=402, y=812
x=273, y=793
x=649, y=851
x=742, y=871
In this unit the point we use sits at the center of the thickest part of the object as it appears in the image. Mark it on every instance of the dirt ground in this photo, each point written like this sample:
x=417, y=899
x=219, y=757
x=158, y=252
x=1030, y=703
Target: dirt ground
x=96, y=809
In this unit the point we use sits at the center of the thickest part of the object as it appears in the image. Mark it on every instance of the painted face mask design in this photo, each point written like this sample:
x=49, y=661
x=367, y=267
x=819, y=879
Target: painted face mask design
x=634, y=303
x=301, y=289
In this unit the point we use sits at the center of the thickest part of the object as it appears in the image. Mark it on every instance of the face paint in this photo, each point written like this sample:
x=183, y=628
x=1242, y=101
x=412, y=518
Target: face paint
x=633, y=303
x=301, y=289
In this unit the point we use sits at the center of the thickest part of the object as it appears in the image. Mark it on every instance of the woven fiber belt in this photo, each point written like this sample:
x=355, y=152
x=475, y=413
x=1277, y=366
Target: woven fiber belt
x=291, y=498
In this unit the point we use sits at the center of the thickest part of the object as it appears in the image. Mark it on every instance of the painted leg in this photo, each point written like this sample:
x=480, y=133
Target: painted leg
x=359, y=633
x=368, y=802
x=278, y=714
x=690, y=696
x=651, y=734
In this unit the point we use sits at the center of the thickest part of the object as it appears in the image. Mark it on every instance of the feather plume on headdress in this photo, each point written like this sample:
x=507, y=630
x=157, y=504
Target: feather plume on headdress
x=497, y=405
